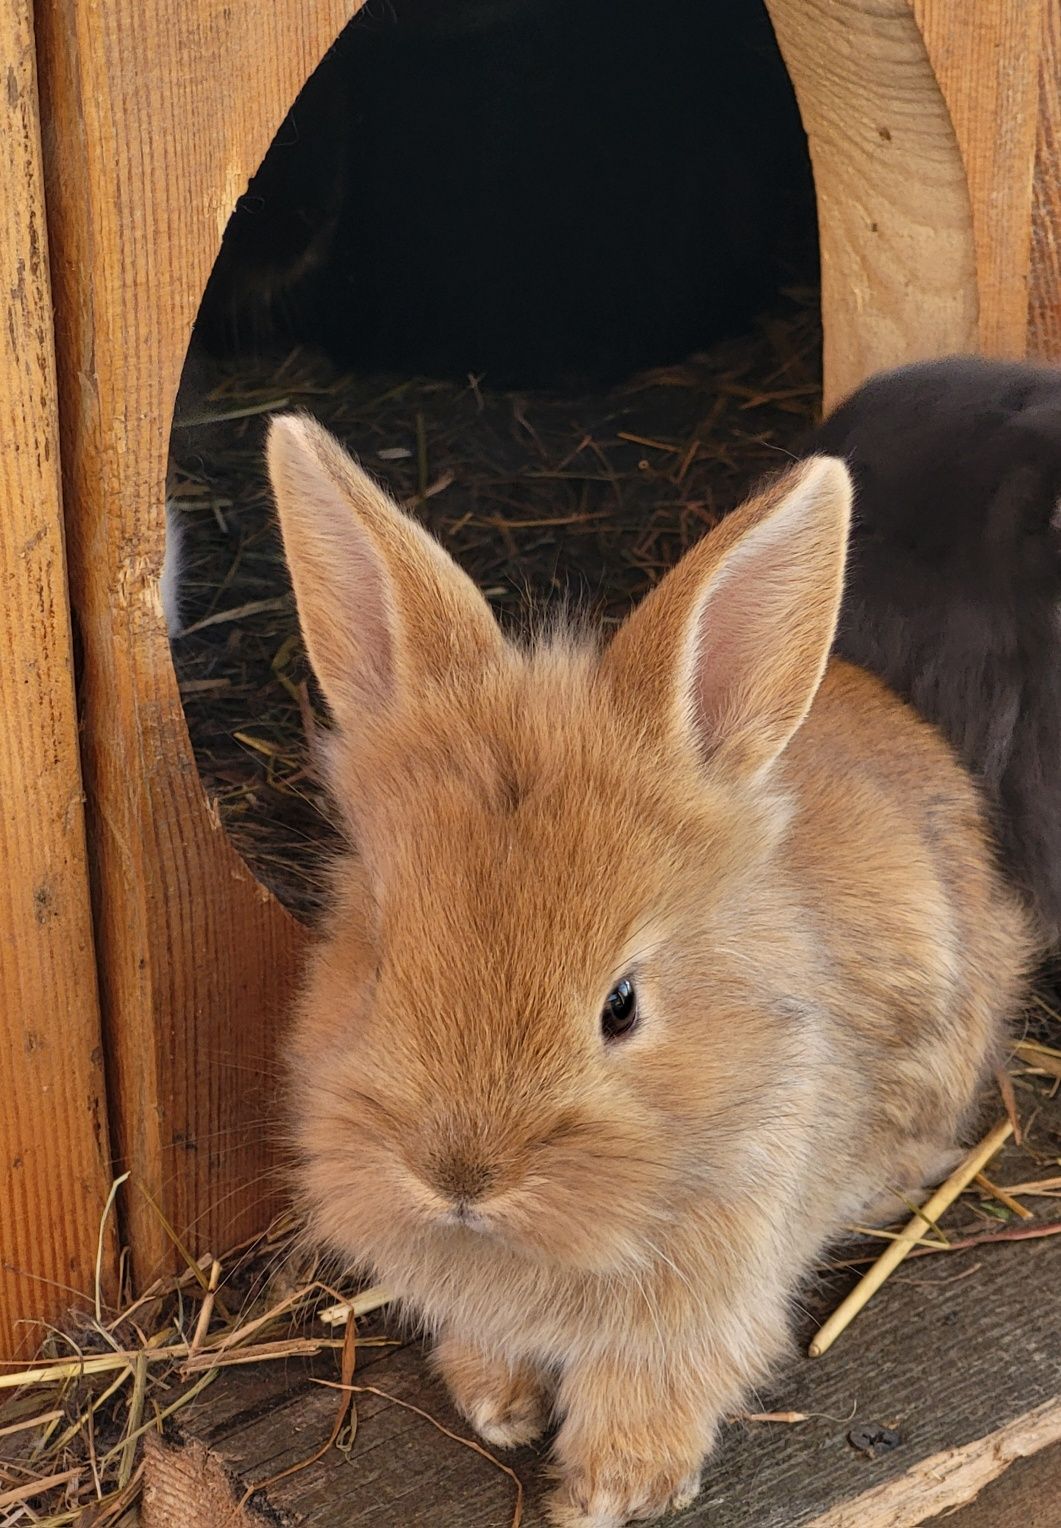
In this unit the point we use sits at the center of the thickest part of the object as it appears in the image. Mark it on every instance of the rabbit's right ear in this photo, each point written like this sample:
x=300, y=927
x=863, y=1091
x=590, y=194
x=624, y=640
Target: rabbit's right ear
x=382, y=607
x=729, y=649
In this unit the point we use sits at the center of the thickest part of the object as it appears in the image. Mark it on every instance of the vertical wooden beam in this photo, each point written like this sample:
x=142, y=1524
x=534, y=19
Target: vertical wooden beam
x=157, y=113
x=895, y=224
x=1044, y=301
x=986, y=59
x=54, y=1152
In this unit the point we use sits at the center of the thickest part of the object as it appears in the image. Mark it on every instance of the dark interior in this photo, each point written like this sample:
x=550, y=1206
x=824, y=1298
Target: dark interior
x=536, y=191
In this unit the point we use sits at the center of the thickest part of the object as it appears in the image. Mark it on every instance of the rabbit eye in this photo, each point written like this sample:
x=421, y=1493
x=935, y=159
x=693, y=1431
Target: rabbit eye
x=619, y=1014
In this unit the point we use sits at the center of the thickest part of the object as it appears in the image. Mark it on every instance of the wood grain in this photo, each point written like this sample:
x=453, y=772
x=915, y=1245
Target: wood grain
x=188, y=1488
x=1024, y=1496
x=986, y=60
x=53, y=1128
x=951, y=1479
x=156, y=116
x=898, y=256
x=1044, y=301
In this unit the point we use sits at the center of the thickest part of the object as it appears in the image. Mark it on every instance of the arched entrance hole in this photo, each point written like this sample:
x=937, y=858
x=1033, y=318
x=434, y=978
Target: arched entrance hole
x=551, y=271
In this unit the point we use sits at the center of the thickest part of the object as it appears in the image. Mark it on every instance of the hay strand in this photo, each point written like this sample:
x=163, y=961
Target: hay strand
x=904, y=1244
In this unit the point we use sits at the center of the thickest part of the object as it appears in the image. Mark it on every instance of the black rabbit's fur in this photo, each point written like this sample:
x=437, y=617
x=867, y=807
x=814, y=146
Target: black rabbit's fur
x=954, y=588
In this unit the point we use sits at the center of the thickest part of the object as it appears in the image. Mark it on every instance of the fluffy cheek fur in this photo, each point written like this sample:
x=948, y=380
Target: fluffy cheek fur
x=582, y=1192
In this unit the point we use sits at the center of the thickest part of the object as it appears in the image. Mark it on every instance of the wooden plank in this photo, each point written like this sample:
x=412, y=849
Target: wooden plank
x=986, y=60
x=1025, y=1496
x=53, y=1128
x=1044, y=315
x=960, y=1355
x=157, y=114
x=898, y=256
x=948, y=1481
x=188, y=1488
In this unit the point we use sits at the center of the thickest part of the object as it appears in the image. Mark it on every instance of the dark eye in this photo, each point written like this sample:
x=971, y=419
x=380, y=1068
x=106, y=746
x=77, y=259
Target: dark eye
x=619, y=1015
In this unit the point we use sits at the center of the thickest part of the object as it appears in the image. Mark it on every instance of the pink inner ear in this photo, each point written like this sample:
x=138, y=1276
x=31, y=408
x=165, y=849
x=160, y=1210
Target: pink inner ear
x=347, y=607
x=371, y=622
x=763, y=632
x=747, y=612
x=345, y=601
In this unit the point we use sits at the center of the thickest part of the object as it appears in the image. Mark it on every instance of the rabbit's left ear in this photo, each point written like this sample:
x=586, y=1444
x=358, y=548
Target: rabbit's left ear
x=732, y=645
x=383, y=608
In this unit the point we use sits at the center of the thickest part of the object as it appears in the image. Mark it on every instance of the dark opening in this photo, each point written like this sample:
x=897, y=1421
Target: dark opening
x=549, y=268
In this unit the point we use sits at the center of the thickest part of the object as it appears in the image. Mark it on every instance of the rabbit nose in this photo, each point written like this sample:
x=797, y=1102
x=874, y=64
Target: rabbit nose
x=463, y=1181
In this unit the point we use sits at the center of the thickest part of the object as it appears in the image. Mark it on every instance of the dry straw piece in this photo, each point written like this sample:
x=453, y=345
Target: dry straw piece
x=73, y=1425
x=909, y=1238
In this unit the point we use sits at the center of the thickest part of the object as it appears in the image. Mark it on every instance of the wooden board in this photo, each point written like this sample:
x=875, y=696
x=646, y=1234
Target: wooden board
x=898, y=257
x=1044, y=304
x=987, y=66
x=187, y=1488
x=935, y=135
x=156, y=114
x=53, y=1128
x=961, y=1355
x=1025, y=1496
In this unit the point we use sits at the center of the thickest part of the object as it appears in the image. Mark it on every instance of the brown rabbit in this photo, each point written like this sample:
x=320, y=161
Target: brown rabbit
x=653, y=966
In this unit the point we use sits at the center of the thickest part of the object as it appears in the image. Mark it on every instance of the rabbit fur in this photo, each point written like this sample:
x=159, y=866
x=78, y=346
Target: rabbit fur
x=785, y=860
x=954, y=579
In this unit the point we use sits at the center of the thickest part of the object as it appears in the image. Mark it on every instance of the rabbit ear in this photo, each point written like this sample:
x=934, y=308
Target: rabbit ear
x=733, y=643
x=382, y=607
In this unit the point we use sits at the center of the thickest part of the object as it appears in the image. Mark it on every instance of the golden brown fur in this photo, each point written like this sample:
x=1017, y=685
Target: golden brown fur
x=799, y=879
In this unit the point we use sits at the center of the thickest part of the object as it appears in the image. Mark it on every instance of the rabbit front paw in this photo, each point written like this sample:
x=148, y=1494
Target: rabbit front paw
x=505, y=1403
x=622, y=1492
x=632, y=1443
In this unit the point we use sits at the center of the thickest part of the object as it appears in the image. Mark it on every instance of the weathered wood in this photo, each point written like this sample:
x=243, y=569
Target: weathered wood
x=986, y=62
x=898, y=256
x=156, y=116
x=961, y=1355
x=1044, y=315
x=188, y=1488
x=1025, y=1496
x=947, y=1481
x=935, y=134
x=53, y=1130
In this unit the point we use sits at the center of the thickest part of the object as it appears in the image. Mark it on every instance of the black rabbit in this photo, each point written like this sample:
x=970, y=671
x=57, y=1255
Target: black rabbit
x=954, y=591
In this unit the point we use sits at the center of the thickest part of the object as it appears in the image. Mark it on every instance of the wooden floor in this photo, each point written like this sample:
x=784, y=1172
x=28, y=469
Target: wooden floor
x=959, y=1355
x=1027, y=1495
